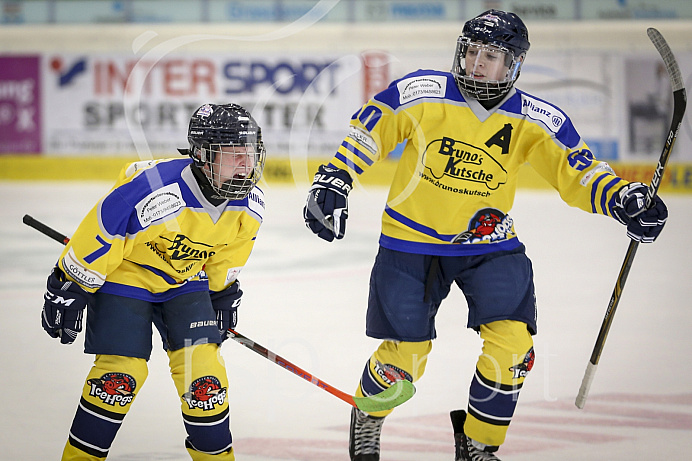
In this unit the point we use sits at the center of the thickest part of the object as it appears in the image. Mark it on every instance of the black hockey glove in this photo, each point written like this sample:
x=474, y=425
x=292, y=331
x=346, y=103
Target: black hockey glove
x=643, y=224
x=63, y=307
x=226, y=303
x=326, y=209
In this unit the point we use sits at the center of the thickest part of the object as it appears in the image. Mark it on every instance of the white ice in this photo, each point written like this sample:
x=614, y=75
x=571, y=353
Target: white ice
x=305, y=300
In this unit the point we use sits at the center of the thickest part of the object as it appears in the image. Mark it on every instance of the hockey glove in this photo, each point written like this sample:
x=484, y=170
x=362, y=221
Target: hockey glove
x=226, y=303
x=326, y=209
x=63, y=307
x=643, y=224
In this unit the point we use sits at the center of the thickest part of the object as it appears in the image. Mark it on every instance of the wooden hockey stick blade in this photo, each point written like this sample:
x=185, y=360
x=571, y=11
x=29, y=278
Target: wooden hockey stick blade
x=679, y=107
x=392, y=397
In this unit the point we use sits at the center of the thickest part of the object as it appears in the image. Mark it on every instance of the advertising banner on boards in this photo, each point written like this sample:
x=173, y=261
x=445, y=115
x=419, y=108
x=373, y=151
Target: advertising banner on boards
x=20, y=104
x=112, y=104
x=100, y=103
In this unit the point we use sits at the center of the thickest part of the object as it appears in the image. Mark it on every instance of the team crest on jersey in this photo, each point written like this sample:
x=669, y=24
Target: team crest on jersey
x=454, y=159
x=205, y=394
x=522, y=369
x=113, y=388
x=390, y=374
x=488, y=224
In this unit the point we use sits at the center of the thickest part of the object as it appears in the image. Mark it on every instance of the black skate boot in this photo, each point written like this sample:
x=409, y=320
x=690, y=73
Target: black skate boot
x=466, y=449
x=364, y=438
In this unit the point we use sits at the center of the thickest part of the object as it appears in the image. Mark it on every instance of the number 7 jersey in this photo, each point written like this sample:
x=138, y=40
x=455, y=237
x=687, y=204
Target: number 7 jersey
x=457, y=177
x=155, y=235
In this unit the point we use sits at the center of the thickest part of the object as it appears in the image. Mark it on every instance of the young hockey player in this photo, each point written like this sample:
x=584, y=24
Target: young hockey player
x=163, y=247
x=446, y=221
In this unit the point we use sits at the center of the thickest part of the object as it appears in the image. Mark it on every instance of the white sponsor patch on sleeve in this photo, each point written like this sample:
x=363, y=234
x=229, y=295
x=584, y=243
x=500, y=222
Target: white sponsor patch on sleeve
x=85, y=277
x=363, y=138
x=232, y=274
x=600, y=168
x=160, y=203
x=255, y=201
x=424, y=86
x=543, y=112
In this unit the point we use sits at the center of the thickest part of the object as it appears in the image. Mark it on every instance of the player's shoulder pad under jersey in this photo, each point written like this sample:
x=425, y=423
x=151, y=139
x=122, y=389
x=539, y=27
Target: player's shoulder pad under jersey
x=134, y=167
x=152, y=192
x=418, y=85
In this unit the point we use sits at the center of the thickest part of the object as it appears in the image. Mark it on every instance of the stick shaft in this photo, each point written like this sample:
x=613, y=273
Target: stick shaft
x=679, y=106
x=283, y=363
x=50, y=232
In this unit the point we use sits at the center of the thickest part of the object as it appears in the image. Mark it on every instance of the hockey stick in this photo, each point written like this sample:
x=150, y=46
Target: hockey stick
x=679, y=105
x=398, y=393
x=395, y=395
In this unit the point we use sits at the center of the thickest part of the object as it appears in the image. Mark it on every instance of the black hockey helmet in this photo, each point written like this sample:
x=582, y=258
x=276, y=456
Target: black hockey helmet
x=494, y=31
x=216, y=130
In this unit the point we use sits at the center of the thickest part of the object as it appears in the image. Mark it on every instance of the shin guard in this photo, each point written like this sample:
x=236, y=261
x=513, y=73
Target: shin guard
x=200, y=377
x=391, y=361
x=507, y=358
x=110, y=388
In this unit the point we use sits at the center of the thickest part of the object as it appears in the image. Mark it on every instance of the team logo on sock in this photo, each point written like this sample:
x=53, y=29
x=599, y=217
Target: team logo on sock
x=205, y=394
x=390, y=374
x=521, y=370
x=113, y=388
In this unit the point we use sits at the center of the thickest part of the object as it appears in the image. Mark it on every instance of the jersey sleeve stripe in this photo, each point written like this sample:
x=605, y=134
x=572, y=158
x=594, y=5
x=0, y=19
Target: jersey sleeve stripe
x=594, y=192
x=349, y=163
x=604, y=196
x=358, y=153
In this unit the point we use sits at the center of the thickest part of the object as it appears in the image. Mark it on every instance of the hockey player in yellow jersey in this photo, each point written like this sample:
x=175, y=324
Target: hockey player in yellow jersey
x=446, y=221
x=163, y=247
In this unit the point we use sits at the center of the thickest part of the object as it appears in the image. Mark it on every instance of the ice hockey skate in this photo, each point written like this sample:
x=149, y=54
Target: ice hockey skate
x=466, y=449
x=364, y=437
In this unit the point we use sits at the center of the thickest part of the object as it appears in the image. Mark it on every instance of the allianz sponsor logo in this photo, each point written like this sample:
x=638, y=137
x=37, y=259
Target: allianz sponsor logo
x=542, y=112
x=256, y=197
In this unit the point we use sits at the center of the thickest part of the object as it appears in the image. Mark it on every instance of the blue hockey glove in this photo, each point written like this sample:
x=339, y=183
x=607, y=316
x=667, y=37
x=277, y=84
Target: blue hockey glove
x=63, y=307
x=226, y=303
x=326, y=209
x=643, y=224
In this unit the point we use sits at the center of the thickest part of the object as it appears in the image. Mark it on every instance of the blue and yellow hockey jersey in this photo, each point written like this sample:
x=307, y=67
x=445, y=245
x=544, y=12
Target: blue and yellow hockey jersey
x=457, y=177
x=155, y=235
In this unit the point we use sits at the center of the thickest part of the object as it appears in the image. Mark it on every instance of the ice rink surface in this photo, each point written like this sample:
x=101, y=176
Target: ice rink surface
x=305, y=300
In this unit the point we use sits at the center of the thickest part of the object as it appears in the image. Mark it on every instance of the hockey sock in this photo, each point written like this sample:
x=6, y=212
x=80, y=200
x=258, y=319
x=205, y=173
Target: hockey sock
x=110, y=388
x=391, y=361
x=200, y=377
x=507, y=357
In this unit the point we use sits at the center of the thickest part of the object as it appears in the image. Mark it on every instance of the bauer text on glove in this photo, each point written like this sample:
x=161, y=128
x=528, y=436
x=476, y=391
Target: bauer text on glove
x=63, y=307
x=326, y=209
x=643, y=224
